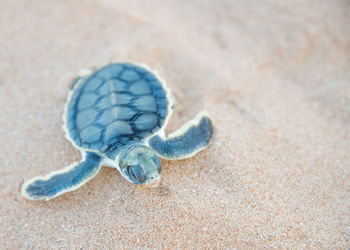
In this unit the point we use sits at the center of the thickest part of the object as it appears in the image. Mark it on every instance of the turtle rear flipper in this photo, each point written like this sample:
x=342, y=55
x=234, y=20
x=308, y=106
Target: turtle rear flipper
x=64, y=180
x=191, y=138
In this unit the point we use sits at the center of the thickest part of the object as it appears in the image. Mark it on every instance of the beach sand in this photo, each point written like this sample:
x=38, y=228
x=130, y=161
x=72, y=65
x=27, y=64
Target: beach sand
x=275, y=77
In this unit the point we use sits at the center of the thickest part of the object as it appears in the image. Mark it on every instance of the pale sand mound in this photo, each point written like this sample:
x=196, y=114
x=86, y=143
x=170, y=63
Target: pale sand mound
x=274, y=75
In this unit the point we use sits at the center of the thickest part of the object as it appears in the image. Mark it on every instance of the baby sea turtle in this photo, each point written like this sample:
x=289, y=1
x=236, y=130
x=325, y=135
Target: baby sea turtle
x=116, y=117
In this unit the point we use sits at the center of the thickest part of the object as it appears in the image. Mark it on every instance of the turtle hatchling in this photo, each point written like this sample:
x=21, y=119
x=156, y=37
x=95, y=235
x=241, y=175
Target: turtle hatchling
x=116, y=117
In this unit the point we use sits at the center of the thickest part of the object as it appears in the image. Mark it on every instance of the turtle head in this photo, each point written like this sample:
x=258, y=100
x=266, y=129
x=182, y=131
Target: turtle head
x=140, y=165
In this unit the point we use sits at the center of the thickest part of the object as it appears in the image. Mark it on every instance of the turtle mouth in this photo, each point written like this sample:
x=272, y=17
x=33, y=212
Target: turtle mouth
x=153, y=184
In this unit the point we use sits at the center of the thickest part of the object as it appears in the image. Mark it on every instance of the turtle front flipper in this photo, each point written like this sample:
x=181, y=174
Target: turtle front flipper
x=64, y=180
x=184, y=143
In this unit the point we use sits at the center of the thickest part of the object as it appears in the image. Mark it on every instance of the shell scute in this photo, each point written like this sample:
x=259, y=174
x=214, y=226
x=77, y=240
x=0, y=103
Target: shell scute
x=159, y=93
x=110, y=71
x=112, y=85
x=116, y=129
x=86, y=118
x=130, y=75
x=87, y=101
x=120, y=99
x=92, y=84
x=140, y=88
x=145, y=121
x=91, y=134
x=146, y=103
x=123, y=113
x=162, y=103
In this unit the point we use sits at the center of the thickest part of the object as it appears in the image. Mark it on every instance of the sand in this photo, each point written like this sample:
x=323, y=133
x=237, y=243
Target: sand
x=275, y=77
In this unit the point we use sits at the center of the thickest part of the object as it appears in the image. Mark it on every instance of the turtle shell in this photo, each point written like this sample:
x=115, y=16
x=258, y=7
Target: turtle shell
x=115, y=104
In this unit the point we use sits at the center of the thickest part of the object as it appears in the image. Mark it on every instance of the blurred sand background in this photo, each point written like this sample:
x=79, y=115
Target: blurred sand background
x=274, y=75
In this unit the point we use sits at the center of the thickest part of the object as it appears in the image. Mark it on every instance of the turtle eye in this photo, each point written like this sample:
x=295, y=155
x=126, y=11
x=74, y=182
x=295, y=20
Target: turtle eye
x=136, y=174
